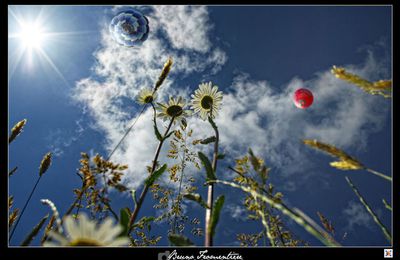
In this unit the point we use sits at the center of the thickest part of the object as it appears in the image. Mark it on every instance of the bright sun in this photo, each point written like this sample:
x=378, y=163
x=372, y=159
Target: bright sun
x=32, y=36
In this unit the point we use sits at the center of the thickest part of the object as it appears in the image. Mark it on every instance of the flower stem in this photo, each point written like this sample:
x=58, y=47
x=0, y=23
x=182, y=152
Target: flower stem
x=23, y=209
x=379, y=174
x=368, y=208
x=208, y=240
x=146, y=188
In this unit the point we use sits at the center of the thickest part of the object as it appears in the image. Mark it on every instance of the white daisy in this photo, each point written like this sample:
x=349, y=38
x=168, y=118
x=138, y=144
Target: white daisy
x=175, y=108
x=84, y=232
x=146, y=96
x=206, y=100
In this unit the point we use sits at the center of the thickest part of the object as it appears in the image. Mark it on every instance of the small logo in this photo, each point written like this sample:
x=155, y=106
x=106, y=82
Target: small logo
x=388, y=253
x=163, y=256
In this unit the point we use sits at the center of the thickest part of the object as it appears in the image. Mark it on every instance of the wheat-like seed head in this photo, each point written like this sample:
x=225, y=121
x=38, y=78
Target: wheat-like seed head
x=13, y=217
x=164, y=73
x=380, y=87
x=10, y=201
x=45, y=164
x=16, y=130
x=346, y=161
x=347, y=165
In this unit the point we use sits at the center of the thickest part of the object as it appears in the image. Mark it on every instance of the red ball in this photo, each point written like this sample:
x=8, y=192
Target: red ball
x=303, y=98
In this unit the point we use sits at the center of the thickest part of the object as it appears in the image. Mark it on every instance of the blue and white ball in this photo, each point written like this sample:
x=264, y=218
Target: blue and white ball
x=129, y=28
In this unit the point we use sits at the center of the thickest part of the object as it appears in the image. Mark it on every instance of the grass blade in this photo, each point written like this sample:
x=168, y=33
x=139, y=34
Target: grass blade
x=124, y=221
x=219, y=202
x=208, y=140
x=34, y=231
x=152, y=178
x=207, y=165
x=197, y=198
x=387, y=205
x=370, y=211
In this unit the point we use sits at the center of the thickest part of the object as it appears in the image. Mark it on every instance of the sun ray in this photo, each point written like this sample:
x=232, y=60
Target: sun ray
x=16, y=62
x=53, y=66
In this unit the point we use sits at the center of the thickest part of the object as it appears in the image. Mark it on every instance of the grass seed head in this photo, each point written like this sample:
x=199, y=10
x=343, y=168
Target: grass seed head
x=45, y=164
x=16, y=130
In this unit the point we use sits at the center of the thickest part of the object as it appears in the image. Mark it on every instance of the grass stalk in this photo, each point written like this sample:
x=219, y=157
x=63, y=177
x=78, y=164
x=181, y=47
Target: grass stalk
x=379, y=174
x=23, y=209
x=370, y=211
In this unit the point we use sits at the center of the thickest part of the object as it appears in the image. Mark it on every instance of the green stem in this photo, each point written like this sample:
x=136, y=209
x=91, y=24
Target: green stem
x=145, y=189
x=370, y=211
x=379, y=174
x=208, y=241
x=23, y=209
x=387, y=205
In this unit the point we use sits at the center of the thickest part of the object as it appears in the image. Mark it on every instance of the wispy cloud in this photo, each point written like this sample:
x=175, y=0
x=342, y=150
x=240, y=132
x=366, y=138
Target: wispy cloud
x=237, y=212
x=59, y=140
x=356, y=215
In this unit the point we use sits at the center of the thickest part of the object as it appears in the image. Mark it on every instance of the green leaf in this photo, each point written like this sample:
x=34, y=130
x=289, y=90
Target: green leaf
x=179, y=240
x=168, y=135
x=34, y=231
x=133, y=192
x=124, y=221
x=152, y=178
x=215, y=213
x=220, y=156
x=197, y=198
x=208, y=140
x=207, y=165
x=184, y=123
x=158, y=135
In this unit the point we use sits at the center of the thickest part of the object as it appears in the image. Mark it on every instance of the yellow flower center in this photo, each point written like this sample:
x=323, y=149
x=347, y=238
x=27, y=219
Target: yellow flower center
x=174, y=111
x=206, y=102
x=84, y=242
x=148, y=99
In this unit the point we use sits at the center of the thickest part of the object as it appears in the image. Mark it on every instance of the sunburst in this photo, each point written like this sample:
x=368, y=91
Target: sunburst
x=30, y=41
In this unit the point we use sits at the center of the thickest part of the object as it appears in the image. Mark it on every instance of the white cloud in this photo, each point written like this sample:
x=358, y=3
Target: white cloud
x=356, y=215
x=237, y=212
x=182, y=21
x=59, y=140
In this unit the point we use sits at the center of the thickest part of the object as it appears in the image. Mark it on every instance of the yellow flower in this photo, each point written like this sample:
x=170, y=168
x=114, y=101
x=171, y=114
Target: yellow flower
x=175, y=108
x=146, y=96
x=206, y=100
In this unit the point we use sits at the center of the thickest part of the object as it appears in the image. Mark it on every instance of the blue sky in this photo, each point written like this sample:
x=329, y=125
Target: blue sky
x=257, y=56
